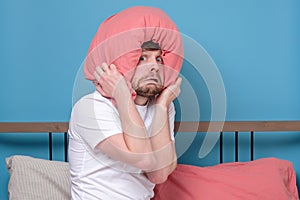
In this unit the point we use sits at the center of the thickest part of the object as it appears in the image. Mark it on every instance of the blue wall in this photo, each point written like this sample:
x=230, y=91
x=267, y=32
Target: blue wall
x=254, y=44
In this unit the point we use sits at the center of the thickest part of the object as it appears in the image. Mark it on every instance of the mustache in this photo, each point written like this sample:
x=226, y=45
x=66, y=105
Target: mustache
x=152, y=77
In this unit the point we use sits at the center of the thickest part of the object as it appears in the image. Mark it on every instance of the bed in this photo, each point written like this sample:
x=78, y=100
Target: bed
x=259, y=178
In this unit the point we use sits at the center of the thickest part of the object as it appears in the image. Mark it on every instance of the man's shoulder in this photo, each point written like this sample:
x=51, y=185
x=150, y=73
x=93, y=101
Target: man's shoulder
x=93, y=98
x=93, y=102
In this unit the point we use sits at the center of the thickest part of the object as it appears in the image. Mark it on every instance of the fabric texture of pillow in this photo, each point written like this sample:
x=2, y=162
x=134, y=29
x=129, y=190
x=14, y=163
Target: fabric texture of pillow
x=119, y=39
x=38, y=179
x=266, y=179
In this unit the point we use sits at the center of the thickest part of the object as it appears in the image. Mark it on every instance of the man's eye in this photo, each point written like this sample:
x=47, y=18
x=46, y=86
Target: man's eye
x=142, y=58
x=159, y=59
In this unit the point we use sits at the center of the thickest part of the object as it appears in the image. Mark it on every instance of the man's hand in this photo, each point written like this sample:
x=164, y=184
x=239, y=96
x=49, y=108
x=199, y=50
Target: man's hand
x=111, y=81
x=170, y=93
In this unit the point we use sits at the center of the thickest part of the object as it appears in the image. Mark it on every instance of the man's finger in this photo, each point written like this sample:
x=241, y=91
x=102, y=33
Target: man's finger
x=104, y=67
x=113, y=67
x=178, y=81
x=97, y=77
x=99, y=70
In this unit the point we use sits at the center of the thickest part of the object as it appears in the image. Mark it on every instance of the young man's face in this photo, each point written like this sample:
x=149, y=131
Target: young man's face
x=148, y=79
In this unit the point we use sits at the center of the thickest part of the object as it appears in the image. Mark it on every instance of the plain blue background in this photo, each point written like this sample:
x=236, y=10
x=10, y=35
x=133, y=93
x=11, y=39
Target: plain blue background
x=255, y=45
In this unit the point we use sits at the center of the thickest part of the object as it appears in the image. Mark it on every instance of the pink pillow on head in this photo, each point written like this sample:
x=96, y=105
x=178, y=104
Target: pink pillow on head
x=119, y=38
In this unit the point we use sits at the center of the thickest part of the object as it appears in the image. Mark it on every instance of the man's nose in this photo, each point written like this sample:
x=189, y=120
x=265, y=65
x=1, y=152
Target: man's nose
x=154, y=65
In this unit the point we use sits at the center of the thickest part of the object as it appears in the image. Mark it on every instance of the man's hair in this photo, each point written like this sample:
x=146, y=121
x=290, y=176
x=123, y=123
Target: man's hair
x=150, y=46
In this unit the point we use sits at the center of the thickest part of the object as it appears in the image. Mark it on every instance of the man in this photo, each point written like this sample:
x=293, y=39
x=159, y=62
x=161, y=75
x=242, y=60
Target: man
x=121, y=136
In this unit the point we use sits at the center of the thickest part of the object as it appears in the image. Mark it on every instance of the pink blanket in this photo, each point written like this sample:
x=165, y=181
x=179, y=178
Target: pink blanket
x=263, y=179
x=119, y=39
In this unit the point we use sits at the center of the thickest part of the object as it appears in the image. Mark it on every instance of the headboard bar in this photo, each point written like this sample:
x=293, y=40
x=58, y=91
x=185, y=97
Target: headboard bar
x=228, y=126
x=240, y=126
x=236, y=144
x=221, y=147
x=251, y=145
x=33, y=127
x=50, y=146
x=221, y=127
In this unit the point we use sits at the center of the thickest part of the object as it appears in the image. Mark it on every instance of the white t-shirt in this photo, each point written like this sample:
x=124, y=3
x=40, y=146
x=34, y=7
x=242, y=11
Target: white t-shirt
x=95, y=175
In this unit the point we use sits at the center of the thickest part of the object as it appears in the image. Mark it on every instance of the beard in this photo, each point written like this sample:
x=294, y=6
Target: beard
x=144, y=89
x=148, y=90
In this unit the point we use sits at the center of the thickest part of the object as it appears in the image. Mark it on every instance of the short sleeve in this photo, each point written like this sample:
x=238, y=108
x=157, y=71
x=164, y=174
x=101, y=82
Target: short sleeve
x=95, y=119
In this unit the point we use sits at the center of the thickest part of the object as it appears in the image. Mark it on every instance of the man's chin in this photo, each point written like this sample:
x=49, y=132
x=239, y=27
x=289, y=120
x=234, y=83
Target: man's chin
x=149, y=91
x=147, y=94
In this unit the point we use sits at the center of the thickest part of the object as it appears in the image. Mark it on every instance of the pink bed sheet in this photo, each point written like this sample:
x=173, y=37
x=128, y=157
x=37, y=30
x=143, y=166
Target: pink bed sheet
x=265, y=179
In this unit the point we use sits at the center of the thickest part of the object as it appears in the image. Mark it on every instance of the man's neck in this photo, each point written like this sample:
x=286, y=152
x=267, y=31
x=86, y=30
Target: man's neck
x=140, y=100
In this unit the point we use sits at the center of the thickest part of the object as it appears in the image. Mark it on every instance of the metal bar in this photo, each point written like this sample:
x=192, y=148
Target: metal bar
x=66, y=146
x=252, y=145
x=236, y=146
x=240, y=126
x=33, y=127
x=50, y=145
x=221, y=147
x=212, y=126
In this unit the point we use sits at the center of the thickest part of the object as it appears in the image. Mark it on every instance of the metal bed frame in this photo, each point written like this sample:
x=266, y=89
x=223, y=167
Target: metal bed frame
x=222, y=127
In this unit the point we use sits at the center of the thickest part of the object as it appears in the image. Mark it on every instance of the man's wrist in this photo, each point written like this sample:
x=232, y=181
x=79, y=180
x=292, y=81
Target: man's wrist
x=162, y=103
x=122, y=91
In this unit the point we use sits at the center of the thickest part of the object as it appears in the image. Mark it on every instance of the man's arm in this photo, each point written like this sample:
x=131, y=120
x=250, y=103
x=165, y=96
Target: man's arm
x=133, y=145
x=155, y=155
x=162, y=144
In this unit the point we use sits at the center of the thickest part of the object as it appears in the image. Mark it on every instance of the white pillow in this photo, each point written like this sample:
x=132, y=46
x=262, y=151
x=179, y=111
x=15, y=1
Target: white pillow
x=38, y=179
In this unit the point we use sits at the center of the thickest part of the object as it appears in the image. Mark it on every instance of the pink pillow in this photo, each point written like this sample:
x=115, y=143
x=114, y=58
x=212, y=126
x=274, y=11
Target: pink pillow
x=120, y=37
x=267, y=179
